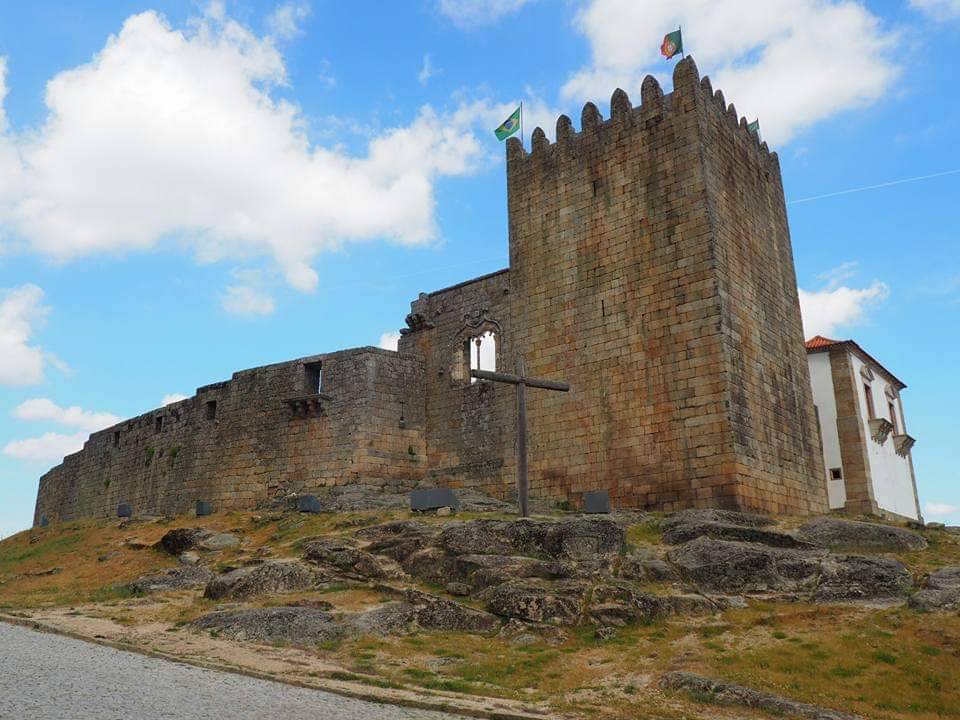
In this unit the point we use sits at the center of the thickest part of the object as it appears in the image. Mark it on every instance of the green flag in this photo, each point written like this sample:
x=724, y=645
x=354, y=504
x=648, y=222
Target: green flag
x=672, y=44
x=509, y=126
x=754, y=127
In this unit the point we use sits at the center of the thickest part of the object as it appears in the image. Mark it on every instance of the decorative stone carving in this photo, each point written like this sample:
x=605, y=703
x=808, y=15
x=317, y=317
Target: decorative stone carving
x=866, y=373
x=880, y=429
x=903, y=444
x=416, y=322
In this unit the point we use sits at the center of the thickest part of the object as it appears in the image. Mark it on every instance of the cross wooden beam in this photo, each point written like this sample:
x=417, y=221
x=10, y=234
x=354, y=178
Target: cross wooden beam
x=521, y=381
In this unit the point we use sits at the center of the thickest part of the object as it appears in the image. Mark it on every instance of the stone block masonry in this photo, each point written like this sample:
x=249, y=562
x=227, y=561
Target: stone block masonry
x=650, y=267
x=238, y=444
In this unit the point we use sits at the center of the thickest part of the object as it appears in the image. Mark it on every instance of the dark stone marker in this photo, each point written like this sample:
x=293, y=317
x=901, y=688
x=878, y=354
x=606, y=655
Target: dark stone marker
x=44, y=522
x=596, y=501
x=204, y=508
x=124, y=510
x=433, y=498
x=308, y=504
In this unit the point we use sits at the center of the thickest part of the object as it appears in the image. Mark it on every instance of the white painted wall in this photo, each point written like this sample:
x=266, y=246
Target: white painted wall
x=821, y=378
x=889, y=473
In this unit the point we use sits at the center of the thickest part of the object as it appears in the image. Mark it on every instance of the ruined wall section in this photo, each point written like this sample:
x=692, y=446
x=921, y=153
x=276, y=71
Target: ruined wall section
x=253, y=448
x=470, y=427
x=775, y=437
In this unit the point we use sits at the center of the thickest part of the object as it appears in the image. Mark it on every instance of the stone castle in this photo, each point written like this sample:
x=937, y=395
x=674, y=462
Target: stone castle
x=650, y=268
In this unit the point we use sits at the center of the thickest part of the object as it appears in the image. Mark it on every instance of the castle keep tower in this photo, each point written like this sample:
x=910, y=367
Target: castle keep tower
x=652, y=268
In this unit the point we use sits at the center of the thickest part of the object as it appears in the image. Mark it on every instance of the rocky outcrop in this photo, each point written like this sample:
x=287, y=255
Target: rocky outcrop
x=341, y=556
x=727, y=693
x=682, y=532
x=271, y=577
x=180, y=540
x=942, y=591
x=643, y=565
x=736, y=567
x=434, y=613
x=838, y=534
x=219, y=541
x=572, y=538
x=713, y=515
x=556, y=603
x=297, y=625
x=184, y=577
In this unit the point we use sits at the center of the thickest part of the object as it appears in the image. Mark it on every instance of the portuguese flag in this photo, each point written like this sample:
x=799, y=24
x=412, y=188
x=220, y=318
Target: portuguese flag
x=672, y=44
x=509, y=126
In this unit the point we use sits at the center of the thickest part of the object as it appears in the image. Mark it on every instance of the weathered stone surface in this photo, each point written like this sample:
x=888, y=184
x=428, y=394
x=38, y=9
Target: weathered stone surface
x=481, y=571
x=431, y=564
x=343, y=556
x=397, y=540
x=682, y=532
x=945, y=578
x=836, y=534
x=184, y=577
x=570, y=538
x=725, y=566
x=179, y=540
x=296, y=625
x=714, y=515
x=434, y=613
x=942, y=591
x=728, y=693
x=559, y=603
x=852, y=577
x=644, y=565
x=220, y=541
x=275, y=576
x=393, y=618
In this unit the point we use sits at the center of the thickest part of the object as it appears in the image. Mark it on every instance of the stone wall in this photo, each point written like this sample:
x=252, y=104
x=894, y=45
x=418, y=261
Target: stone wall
x=253, y=447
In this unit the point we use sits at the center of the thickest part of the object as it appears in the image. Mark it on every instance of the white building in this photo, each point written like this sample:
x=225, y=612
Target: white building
x=866, y=448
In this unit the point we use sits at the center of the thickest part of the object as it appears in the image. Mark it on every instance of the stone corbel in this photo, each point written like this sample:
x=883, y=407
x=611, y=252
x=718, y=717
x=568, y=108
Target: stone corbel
x=880, y=429
x=903, y=444
x=308, y=405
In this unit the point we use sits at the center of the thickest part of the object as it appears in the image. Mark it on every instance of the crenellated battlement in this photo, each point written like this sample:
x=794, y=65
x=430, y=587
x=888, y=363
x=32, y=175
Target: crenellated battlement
x=688, y=88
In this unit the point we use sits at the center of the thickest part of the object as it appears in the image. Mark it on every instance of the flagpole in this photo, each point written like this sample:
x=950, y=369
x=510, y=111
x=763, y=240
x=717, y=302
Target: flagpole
x=682, y=54
x=521, y=123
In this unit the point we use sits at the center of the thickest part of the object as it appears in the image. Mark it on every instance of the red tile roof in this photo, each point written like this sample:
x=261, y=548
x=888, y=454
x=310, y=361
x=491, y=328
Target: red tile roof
x=819, y=341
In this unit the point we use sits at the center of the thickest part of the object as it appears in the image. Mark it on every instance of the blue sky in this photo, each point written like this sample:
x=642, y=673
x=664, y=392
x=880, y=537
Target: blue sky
x=190, y=188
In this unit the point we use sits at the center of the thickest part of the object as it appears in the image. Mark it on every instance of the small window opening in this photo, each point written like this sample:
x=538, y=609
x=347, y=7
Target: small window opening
x=836, y=474
x=893, y=416
x=871, y=414
x=482, y=352
x=313, y=377
x=211, y=409
x=158, y=424
x=116, y=438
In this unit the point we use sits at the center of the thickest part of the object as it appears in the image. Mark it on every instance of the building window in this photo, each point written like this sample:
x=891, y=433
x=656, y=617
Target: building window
x=211, y=409
x=116, y=438
x=482, y=351
x=158, y=424
x=836, y=474
x=871, y=414
x=313, y=377
x=893, y=416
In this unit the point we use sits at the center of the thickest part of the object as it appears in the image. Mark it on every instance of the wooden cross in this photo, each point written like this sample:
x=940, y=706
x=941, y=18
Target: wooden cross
x=521, y=381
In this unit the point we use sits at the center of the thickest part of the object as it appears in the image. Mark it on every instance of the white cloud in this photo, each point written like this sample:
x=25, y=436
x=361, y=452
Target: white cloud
x=21, y=309
x=825, y=311
x=427, y=71
x=175, y=133
x=173, y=398
x=49, y=447
x=789, y=63
x=284, y=22
x=938, y=9
x=45, y=409
x=937, y=509
x=389, y=340
x=468, y=13
x=247, y=301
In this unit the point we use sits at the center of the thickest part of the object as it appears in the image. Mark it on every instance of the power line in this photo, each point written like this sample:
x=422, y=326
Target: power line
x=874, y=187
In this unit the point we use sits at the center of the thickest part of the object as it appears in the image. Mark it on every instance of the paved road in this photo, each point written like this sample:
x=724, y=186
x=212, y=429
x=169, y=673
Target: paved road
x=48, y=676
